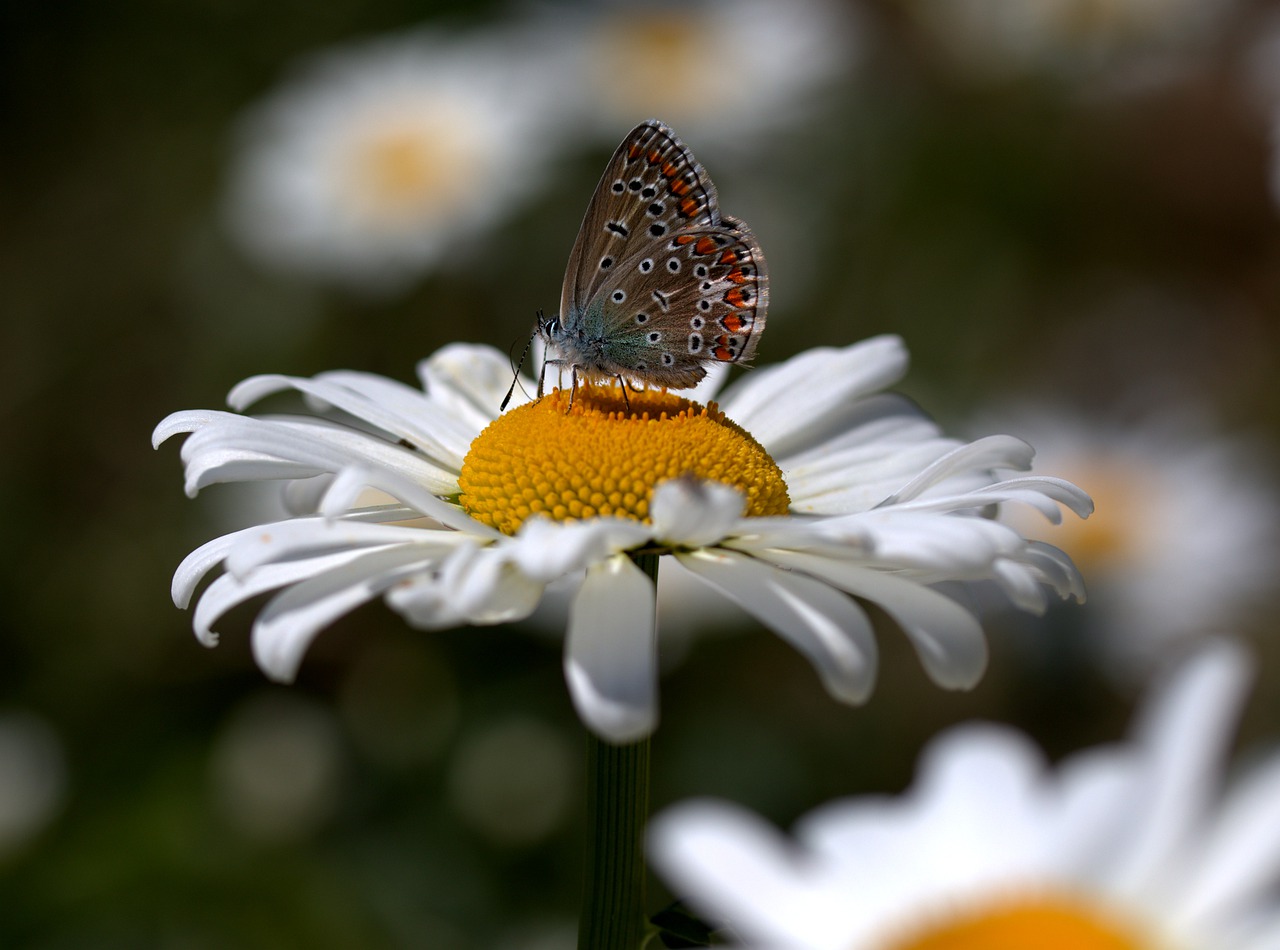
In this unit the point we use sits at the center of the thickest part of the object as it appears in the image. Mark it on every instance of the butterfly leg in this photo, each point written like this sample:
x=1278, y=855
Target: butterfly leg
x=573, y=391
x=542, y=374
x=622, y=384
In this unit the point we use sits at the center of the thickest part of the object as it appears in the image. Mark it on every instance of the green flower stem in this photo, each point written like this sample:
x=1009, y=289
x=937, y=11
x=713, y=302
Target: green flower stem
x=613, y=892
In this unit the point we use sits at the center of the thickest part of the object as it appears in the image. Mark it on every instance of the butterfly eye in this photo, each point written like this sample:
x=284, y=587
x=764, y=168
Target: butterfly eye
x=696, y=323
x=695, y=342
x=635, y=184
x=618, y=296
x=657, y=230
x=673, y=265
x=606, y=263
x=646, y=265
x=700, y=270
x=619, y=187
x=642, y=317
x=648, y=192
x=704, y=305
x=656, y=209
x=655, y=336
x=668, y=359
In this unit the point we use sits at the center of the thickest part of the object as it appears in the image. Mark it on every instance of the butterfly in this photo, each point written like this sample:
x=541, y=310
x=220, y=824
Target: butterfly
x=659, y=284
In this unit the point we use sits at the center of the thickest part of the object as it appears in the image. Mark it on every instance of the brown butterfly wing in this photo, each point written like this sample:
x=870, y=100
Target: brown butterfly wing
x=651, y=188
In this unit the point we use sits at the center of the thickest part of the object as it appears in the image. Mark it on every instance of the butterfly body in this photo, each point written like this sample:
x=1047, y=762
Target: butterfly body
x=659, y=283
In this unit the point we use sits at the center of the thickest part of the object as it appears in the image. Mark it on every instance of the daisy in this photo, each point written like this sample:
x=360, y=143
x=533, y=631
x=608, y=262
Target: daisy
x=1144, y=39
x=656, y=59
x=1126, y=847
x=803, y=485
x=371, y=162
x=1159, y=570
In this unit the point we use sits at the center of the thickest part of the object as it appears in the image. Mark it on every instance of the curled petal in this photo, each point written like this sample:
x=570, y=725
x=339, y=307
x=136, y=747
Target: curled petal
x=695, y=512
x=823, y=624
x=290, y=620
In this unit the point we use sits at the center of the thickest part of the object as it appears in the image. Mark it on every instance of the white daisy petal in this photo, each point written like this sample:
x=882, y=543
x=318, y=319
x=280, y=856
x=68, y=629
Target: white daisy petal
x=610, y=660
x=1185, y=734
x=1239, y=858
x=204, y=559
x=694, y=513
x=1020, y=585
x=740, y=869
x=183, y=421
x=469, y=382
x=787, y=407
x=229, y=591
x=452, y=433
x=992, y=452
x=947, y=638
x=290, y=620
x=301, y=448
x=312, y=537
x=407, y=424
x=826, y=626
x=545, y=549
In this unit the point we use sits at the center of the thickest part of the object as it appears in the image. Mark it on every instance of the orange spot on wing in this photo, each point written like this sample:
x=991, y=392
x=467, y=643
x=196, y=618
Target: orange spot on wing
x=679, y=187
x=653, y=156
x=734, y=297
x=723, y=354
x=684, y=238
x=705, y=245
x=633, y=151
x=668, y=170
x=733, y=323
x=690, y=206
x=728, y=257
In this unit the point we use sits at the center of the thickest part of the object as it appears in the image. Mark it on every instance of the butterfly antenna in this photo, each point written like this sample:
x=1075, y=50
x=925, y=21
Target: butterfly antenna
x=515, y=371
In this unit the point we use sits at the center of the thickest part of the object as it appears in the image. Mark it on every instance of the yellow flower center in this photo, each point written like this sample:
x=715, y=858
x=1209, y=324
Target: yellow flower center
x=404, y=170
x=650, y=62
x=605, y=456
x=1117, y=530
x=1047, y=923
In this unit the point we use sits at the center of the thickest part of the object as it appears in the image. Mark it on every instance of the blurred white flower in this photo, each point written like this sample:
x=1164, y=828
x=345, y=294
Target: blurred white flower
x=1135, y=41
x=733, y=70
x=514, y=780
x=372, y=162
x=806, y=485
x=1125, y=847
x=1185, y=541
x=33, y=778
x=277, y=767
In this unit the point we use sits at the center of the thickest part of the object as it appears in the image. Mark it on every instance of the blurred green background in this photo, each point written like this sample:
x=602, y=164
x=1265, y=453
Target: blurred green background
x=1036, y=233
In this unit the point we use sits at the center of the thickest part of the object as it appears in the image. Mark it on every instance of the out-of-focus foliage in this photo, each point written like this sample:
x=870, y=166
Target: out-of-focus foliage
x=1058, y=229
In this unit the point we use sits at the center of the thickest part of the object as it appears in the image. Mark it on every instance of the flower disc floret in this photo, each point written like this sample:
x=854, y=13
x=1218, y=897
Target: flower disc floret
x=604, y=455
x=1047, y=923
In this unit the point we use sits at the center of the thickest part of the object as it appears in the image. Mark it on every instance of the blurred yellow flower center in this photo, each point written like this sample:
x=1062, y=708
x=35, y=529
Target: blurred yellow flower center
x=402, y=170
x=605, y=456
x=1114, y=530
x=1038, y=924
x=646, y=59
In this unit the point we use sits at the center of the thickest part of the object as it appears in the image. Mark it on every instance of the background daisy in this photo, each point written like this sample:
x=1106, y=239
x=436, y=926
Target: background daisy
x=1185, y=541
x=373, y=163
x=1129, y=846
